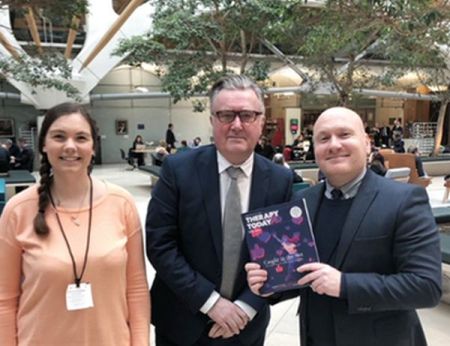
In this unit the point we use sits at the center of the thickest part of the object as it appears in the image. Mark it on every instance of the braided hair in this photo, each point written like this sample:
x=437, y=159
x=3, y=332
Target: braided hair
x=45, y=170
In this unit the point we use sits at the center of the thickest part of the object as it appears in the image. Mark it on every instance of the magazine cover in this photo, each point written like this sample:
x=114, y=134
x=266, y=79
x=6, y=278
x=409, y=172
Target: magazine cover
x=280, y=239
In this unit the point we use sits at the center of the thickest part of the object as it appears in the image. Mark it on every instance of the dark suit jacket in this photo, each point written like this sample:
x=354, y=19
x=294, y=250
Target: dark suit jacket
x=390, y=255
x=170, y=138
x=184, y=241
x=4, y=160
x=25, y=159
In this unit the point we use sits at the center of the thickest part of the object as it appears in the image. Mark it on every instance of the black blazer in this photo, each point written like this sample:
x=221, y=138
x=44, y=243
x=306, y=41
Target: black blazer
x=390, y=253
x=184, y=241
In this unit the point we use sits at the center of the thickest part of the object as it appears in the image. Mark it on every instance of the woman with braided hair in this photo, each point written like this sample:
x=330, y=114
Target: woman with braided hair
x=73, y=269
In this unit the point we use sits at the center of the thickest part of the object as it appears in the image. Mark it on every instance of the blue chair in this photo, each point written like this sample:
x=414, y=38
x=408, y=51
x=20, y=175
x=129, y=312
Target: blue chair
x=300, y=186
x=2, y=194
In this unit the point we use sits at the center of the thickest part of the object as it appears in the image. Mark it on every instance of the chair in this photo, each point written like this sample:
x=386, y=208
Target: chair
x=157, y=159
x=300, y=186
x=399, y=174
x=130, y=160
x=406, y=160
x=2, y=194
x=386, y=151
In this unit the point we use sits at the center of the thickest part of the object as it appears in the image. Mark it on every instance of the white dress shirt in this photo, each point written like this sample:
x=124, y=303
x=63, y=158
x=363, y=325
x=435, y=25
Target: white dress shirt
x=244, y=183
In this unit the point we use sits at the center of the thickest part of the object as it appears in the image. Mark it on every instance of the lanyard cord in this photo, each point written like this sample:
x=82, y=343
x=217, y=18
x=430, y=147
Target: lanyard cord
x=88, y=241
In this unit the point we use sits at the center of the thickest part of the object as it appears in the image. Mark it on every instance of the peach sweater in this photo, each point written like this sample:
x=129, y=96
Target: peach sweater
x=35, y=272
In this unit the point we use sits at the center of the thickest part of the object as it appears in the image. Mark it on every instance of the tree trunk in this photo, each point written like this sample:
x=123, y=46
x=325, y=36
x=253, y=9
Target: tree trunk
x=440, y=128
x=343, y=99
x=244, y=51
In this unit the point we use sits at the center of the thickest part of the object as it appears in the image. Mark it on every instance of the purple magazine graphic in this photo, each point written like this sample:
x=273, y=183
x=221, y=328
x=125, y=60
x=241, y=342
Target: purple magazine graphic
x=280, y=239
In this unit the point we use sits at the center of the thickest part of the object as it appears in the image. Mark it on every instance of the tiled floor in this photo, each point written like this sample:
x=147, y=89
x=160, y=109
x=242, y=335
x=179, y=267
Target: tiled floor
x=283, y=328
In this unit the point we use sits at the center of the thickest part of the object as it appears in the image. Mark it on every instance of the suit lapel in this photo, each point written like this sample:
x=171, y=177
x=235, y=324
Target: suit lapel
x=207, y=170
x=358, y=210
x=313, y=197
x=260, y=184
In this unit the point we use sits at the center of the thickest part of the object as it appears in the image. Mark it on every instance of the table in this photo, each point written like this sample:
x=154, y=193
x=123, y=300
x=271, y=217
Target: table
x=17, y=178
x=150, y=150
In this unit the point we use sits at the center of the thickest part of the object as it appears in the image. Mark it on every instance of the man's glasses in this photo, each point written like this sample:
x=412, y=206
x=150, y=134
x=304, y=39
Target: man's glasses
x=228, y=117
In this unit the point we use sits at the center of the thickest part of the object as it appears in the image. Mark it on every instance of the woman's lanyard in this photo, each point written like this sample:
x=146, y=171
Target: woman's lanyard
x=88, y=241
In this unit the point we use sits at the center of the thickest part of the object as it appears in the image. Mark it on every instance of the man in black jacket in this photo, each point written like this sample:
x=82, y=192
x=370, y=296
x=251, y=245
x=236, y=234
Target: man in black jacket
x=4, y=160
x=378, y=244
x=170, y=138
x=24, y=160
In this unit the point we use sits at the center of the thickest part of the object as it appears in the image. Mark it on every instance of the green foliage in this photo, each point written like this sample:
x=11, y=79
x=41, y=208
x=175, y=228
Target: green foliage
x=402, y=32
x=48, y=71
x=195, y=41
x=259, y=71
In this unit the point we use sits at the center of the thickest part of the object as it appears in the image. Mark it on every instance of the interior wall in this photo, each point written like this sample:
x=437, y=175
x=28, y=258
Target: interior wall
x=23, y=115
x=146, y=117
x=388, y=108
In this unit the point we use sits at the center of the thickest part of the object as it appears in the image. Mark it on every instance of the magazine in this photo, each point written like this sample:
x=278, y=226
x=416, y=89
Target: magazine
x=280, y=239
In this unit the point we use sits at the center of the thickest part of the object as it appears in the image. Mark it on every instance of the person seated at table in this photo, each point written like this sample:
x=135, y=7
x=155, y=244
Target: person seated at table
x=299, y=140
x=264, y=148
x=138, y=144
x=4, y=160
x=279, y=159
x=13, y=150
x=398, y=144
x=24, y=160
x=160, y=153
x=184, y=146
x=376, y=163
x=447, y=188
x=197, y=142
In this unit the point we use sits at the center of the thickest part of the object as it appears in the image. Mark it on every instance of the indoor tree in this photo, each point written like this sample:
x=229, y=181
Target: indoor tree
x=193, y=42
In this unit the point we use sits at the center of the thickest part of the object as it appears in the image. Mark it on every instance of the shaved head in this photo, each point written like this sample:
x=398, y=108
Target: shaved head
x=341, y=145
x=340, y=111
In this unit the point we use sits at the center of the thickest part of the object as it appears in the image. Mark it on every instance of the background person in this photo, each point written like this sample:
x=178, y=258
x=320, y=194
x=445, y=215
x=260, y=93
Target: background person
x=160, y=153
x=72, y=229
x=419, y=164
x=264, y=148
x=200, y=295
x=25, y=158
x=184, y=146
x=138, y=144
x=14, y=150
x=397, y=142
x=377, y=241
x=447, y=188
x=4, y=160
x=376, y=163
x=170, y=138
x=196, y=142
x=279, y=160
x=385, y=135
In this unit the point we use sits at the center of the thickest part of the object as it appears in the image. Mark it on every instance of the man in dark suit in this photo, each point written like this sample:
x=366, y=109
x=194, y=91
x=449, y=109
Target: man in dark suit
x=25, y=158
x=4, y=160
x=195, y=299
x=170, y=138
x=378, y=244
x=385, y=135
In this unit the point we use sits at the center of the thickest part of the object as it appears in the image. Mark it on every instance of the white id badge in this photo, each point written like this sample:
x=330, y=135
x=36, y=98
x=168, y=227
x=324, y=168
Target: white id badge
x=78, y=298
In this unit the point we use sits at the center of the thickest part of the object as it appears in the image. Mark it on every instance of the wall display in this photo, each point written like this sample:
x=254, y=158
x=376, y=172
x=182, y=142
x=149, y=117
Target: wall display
x=6, y=127
x=121, y=127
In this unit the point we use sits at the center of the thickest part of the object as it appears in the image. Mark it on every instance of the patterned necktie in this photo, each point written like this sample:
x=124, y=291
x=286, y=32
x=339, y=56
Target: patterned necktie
x=232, y=234
x=336, y=194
